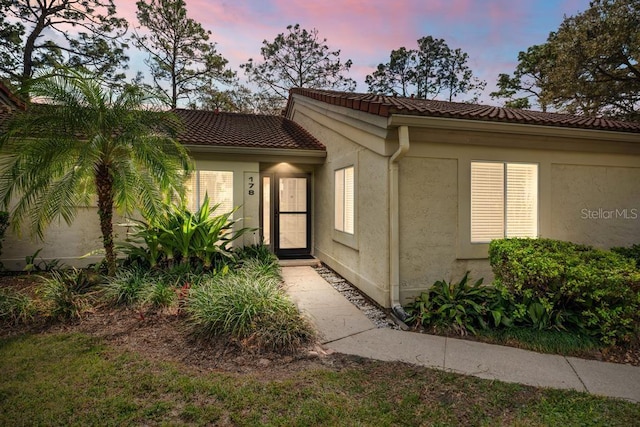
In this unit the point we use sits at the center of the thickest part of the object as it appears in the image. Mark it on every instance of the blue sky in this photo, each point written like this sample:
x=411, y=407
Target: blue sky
x=492, y=32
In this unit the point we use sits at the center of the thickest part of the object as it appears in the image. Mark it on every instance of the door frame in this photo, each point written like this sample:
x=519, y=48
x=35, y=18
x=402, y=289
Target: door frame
x=274, y=214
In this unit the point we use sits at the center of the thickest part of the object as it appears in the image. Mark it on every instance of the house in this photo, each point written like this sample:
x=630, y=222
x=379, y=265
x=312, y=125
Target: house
x=427, y=184
x=234, y=154
x=396, y=193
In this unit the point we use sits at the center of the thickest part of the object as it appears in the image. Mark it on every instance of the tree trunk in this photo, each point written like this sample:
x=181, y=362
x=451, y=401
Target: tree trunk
x=104, y=185
x=43, y=12
x=29, y=47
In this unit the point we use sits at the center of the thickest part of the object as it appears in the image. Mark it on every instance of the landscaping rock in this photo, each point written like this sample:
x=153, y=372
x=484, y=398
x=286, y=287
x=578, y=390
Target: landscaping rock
x=370, y=309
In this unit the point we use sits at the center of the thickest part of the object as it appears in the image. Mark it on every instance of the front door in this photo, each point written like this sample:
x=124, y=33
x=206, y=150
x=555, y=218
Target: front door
x=286, y=216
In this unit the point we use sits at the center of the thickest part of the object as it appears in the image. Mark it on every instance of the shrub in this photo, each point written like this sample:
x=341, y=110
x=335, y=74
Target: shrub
x=183, y=237
x=126, y=286
x=262, y=267
x=33, y=265
x=249, y=307
x=68, y=294
x=562, y=284
x=632, y=252
x=158, y=293
x=460, y=307
x=260, y=252
x=16, y=307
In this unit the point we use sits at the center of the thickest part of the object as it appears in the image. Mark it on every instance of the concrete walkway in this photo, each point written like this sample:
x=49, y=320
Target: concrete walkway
x=345, y=329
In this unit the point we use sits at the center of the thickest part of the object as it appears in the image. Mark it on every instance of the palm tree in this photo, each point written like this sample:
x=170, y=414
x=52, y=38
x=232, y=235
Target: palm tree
x=84, y=140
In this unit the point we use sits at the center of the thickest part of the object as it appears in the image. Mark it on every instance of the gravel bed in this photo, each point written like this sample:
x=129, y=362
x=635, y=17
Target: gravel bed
x=376, y=314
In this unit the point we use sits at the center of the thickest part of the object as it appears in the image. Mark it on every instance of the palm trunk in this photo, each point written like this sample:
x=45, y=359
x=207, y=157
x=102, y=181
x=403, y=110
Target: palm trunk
x=104, y=185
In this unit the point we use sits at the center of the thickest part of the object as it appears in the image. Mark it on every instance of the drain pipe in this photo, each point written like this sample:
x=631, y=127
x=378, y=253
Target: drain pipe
x=394, y=223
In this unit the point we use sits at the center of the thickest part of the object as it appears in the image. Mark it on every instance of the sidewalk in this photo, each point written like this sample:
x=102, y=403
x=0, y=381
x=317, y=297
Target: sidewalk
x=345, y=329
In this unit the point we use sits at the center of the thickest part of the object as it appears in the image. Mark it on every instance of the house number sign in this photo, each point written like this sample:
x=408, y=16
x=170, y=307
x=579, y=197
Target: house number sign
x=252, y=184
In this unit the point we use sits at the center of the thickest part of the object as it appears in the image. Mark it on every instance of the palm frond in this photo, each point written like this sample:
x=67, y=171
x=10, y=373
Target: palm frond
x=50, y=155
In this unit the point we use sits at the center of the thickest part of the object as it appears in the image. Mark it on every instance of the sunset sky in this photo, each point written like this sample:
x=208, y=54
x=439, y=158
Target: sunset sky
x=492, y=32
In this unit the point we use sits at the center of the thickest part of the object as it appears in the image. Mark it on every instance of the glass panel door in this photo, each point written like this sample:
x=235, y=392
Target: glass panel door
x=292, y=216
x=266, y=210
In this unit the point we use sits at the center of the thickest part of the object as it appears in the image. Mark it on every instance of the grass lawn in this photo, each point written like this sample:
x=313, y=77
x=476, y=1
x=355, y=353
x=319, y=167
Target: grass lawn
x=75, y=379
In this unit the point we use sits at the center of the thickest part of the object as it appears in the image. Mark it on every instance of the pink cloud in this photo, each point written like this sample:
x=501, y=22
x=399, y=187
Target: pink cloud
x=491, y=32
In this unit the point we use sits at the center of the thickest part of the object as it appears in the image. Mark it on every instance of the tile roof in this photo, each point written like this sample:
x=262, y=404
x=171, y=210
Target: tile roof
x=243, y=130
x=385, y=106
x=9, y=99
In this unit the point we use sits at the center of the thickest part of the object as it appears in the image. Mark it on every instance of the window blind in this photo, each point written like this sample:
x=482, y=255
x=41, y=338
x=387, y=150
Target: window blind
x=217, y=184
x=522, y=200
x=487, y=201
x=339, y=200
x=348, y=200
x=344, y=200
x=504, y=200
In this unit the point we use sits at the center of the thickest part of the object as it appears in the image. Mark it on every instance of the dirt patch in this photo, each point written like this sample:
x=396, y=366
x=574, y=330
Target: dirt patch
x=26, y=284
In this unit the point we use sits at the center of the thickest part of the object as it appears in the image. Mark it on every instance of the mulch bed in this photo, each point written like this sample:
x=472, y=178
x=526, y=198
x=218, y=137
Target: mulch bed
x=165, y=335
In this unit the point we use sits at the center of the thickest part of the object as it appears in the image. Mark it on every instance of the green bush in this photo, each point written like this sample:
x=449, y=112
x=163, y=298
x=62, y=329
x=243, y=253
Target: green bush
x=632, y=252
x=125, y=288
x=249, y=307
x=262, y=267
x=158, y=294
x=68, y=294
x=565, y=285
x=153, y=288
x=459, y=307
x=16, y=307
x=179, y=236
x=259, y=251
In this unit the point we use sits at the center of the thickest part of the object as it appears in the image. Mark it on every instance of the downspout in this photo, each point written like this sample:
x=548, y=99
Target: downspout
x=394, y=223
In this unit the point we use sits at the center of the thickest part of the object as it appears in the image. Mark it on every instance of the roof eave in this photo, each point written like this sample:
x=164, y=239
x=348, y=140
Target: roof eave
x=445, y=123
x=307, y=156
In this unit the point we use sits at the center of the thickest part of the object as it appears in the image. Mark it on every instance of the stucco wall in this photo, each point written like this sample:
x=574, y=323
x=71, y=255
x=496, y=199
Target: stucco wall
x=70, y=244
x=596, y=205
x=590, y=198
x=363, y=258
x=429, y=226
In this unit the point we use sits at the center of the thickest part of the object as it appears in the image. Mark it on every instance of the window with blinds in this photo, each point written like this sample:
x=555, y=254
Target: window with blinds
x=504, y=200
x=344, y=200
x=217, y=184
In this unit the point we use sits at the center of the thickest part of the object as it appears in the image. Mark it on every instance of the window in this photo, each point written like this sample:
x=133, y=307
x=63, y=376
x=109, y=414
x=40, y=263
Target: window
x=344, y=202
x=504, y=200
x=217, y=184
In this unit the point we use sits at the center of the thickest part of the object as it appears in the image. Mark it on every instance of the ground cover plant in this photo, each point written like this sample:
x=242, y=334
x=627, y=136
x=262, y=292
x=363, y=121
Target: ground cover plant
x=16, y=307
x=248, y=305
x=68, y=294
x=459, y=307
